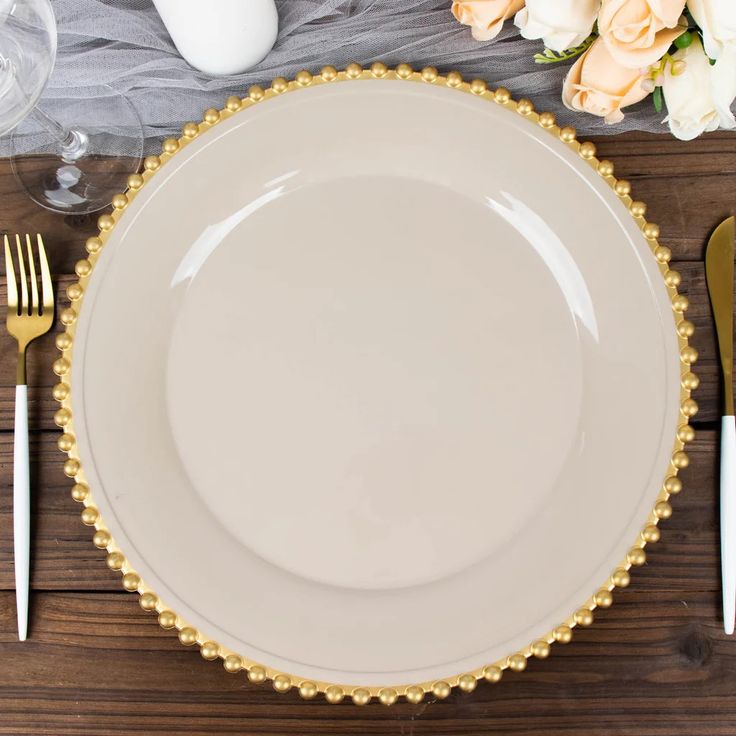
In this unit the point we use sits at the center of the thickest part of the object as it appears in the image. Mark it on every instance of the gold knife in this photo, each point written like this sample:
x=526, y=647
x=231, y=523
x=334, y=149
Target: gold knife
x=719, y=275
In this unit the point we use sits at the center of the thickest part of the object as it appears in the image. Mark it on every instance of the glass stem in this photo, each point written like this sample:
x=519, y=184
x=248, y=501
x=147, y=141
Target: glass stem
x=73, y=144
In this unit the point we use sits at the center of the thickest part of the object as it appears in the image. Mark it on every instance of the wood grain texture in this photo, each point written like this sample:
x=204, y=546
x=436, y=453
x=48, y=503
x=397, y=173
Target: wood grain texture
x=655, y=663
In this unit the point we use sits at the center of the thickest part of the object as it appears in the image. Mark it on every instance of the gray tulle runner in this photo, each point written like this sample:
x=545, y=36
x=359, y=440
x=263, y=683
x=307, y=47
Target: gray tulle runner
x=123, y=43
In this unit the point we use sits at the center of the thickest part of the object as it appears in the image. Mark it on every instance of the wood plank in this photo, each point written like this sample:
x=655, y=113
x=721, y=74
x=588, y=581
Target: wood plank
x=656, y=662
x=63, y=557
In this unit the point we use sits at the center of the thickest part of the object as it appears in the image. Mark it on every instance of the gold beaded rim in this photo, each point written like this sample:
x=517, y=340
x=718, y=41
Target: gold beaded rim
x=466, y=681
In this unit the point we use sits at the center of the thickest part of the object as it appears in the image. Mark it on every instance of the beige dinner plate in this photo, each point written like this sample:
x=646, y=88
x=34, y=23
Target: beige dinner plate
x=374, y=384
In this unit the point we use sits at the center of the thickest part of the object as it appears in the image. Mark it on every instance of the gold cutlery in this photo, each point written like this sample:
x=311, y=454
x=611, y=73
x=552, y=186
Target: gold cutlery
x=28, y=317
x=719, y=275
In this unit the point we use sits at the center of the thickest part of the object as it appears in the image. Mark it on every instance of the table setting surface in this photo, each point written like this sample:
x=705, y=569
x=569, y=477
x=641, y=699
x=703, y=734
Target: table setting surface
x=657, y=661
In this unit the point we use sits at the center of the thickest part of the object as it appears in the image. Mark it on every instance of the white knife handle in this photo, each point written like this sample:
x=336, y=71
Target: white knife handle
x=728, y=521
x=21, y=509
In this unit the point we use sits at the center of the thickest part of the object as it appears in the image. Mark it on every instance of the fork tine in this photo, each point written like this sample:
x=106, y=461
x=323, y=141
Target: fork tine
x=47, y=289
x=22, y=277
x=10, y=274
x=35, y=306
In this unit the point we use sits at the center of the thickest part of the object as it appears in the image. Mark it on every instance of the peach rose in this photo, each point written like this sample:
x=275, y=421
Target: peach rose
x=485, y=17
x=597, y=84
x=639, y=32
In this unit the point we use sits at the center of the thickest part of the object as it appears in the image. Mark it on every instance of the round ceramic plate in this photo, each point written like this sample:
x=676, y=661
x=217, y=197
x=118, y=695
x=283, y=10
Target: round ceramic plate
x=375, y=384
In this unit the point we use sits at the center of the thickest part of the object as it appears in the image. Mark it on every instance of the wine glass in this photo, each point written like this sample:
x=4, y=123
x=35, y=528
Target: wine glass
x=63, y=162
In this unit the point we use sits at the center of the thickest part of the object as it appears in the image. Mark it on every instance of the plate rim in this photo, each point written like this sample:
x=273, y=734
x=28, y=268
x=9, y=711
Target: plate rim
x=260, y=672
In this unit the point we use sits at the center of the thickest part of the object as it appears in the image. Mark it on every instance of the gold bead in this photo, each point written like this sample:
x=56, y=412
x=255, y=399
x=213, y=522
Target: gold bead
x=414, y=694
x=540, y=649
x=650, y=534
x=171, y=145
x=65, y=442
x=307, y=690
x=689, y=408
x=119, y=201
x=454, y=79
x=62, y=417
x=547, y=119
x=151, y=163
x=404, y=71
x=621, y=578
x=603, y=598
x=148, y=601
x=524, y=107
x=115, y=561
x=71, y=467
x=502, y=95
x=135, y=181
x=680, y=303
x=651, y=231
x=67, y=316
x=567, y=134
x=188, y=636
x=167, y=619
x=429, y=74
x=131, y=581
x=690, y=381
x=353, y=71
x=467, y=683
x=334, y=694
x=587, y=150
x=105, y=222
x=232, y=663
x=211, y=116
x=689, y=355
x=256, y=93
x=441, y=690
x=93, y=245
x=685, y=328
x=605, y=167
x=60, y=390
x=190, y=130
x=83, y=268
x=74, y=292
x=79, y=492
x=281, y=683
x=233, y=104
x=256, y=674
x=663, y=510
x=516, y=662
x=279, y=85
x=637, y=208
x=680, y=460
x=304, y=78
x=63, y=342
x=636, y=556
x=101, y=539
x=209, y=650
x=672, y=278
x=563, y=634
x=492, y=673
x=583, y=617
x=329, y=73
x=379, y=69
x=663, y=254
x=478, y=86
x=387, y=696
x=622, y=187
x=361, y=696
x=673, y=484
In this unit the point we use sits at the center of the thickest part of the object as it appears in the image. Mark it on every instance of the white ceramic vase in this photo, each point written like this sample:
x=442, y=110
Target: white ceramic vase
x=222, y=37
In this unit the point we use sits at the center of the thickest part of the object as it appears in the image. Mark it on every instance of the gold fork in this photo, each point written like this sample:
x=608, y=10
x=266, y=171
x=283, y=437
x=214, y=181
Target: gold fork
x=28, y=318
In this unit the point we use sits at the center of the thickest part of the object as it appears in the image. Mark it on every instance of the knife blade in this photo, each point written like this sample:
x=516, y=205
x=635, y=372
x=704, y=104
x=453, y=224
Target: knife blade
x=719, y=276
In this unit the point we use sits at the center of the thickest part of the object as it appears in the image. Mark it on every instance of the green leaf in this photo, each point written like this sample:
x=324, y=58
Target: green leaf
x=553, y=57
x=657, y=99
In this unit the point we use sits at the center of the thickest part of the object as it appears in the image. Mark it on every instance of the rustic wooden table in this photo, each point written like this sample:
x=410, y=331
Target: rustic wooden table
x=655, y=663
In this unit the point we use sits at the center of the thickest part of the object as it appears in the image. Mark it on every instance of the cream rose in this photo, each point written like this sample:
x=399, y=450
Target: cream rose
x=599, y=85
x=485, y=17
x=717, y=20
x=700, y=98
x=639, y=32
x=561, y=24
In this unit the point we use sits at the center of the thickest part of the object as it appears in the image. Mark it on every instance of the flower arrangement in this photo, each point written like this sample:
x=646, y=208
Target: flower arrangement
x=681, y=52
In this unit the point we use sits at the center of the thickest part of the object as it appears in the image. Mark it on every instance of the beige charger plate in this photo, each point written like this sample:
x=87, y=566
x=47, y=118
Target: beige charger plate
x=379, y=385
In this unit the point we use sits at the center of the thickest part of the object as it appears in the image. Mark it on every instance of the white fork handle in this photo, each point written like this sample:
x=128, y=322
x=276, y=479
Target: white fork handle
x=728, y=521
x=21, y=509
